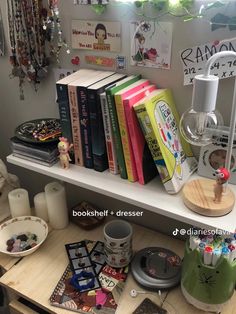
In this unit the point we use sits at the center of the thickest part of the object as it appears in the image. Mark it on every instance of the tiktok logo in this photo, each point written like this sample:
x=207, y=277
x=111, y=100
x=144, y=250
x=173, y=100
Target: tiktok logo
x=175, y=232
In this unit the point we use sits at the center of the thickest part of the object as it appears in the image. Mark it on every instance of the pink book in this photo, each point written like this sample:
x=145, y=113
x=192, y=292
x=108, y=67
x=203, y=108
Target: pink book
x=123, y=127
x=145, y=165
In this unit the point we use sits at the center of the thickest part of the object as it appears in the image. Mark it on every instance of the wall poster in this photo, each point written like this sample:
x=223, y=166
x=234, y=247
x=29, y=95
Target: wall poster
x=151, y=44
x=96, y=35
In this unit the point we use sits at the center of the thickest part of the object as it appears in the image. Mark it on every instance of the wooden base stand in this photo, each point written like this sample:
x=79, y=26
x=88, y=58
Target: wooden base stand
x=198, y=195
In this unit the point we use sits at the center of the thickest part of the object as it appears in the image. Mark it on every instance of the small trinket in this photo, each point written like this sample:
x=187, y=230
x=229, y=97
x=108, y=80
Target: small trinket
x=64, y=147
x=222, y=176
x=21, y=242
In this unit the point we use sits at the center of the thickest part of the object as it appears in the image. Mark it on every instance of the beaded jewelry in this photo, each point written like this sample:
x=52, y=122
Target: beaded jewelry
x=54, y=30
x=27, y=41
x=30, y=25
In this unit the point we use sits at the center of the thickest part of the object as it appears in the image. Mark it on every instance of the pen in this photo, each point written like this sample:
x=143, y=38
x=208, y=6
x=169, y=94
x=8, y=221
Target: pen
x=216, y=256
x=225, y=252
x=207, y=257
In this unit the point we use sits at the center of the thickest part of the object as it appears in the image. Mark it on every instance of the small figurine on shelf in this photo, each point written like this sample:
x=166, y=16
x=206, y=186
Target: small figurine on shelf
x=64, y=147
x=222, y=176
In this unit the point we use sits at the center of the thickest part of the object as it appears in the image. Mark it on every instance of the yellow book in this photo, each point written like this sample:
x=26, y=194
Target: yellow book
x=159, y=120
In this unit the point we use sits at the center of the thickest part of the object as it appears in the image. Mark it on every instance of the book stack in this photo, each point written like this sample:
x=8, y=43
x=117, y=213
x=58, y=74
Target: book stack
x=44, y=154
x=124, y=124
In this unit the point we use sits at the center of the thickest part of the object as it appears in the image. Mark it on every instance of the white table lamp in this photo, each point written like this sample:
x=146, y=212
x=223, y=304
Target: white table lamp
x=196, y=127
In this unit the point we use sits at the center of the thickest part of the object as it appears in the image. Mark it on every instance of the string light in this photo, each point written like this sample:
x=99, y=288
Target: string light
x=174, y=3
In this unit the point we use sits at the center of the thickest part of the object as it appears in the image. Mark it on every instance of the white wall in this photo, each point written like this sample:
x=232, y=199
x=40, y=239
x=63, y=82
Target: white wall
x=42, y=103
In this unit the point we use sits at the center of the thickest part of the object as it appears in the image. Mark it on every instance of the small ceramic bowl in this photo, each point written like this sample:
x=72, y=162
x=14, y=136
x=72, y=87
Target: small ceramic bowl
x=19, y=225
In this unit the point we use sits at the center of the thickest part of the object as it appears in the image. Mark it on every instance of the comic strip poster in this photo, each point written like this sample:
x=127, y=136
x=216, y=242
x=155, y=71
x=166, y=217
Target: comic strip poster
x=151, y=44
x=96, y=35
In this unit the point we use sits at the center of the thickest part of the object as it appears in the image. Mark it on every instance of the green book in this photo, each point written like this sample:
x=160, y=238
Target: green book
x=110, y=91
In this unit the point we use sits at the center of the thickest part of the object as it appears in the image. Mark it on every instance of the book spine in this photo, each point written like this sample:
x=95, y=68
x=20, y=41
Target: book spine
x=127, y=148
x=85, y=126
x=150, y=138
x=145, y=165
x=64, y=113
x=110, y=143
x=116, y=133
x=99, y=152
x=75, y=125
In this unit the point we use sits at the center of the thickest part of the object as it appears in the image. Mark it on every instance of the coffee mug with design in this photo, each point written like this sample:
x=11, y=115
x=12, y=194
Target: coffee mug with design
x=118, y=243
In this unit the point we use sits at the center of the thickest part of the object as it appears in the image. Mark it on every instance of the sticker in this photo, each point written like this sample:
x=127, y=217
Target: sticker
x=102, y=61
x=120, y=62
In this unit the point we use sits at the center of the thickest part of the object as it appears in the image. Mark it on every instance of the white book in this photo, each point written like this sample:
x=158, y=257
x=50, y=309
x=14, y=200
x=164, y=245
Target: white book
x=110, y=141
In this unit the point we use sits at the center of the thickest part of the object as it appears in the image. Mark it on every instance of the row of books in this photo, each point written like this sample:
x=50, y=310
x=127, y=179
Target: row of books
x=126, y=124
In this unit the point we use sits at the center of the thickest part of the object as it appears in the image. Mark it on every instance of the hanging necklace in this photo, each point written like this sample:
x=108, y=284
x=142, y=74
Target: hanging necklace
x=30, y=25
x=27, y=40
x=55, y=31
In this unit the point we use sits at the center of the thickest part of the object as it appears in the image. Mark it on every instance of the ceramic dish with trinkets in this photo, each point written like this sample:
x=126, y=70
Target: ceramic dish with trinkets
x=39, y=131
x=21, y=236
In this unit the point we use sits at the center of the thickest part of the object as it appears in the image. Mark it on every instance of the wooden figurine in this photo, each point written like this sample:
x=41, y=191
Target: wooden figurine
x=64, y=147
x=222, y=176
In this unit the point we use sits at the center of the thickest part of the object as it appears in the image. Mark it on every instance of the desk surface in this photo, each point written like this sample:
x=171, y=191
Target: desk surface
x=34, y=277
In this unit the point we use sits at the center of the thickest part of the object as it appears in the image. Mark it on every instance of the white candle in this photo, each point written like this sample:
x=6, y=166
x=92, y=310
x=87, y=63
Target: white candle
x=19, y=203
x=40, y=205
x=56, y=203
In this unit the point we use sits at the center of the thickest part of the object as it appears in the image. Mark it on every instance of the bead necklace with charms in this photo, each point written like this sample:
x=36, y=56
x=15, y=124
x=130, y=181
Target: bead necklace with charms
x=54, y=30
x=30, y=26
x=27, y=39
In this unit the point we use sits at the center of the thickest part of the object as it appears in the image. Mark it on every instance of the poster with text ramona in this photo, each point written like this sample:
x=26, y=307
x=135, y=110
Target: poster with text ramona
x=151, y=44
x=96, y=35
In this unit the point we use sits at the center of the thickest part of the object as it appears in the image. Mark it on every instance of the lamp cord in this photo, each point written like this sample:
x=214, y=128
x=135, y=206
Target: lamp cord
x=166, y=302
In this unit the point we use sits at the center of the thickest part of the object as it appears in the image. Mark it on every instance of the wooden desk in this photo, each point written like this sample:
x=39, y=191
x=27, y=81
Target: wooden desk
x=35, y=276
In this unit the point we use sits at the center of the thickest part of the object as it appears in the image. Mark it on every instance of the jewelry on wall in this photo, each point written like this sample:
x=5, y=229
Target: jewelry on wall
x=54, y=31
x=30, y=27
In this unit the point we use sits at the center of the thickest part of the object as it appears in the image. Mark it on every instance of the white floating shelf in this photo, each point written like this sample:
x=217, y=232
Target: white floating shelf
x=151, y=196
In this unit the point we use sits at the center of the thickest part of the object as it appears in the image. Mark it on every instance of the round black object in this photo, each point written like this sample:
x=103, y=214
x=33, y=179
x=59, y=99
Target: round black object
x=156, y=268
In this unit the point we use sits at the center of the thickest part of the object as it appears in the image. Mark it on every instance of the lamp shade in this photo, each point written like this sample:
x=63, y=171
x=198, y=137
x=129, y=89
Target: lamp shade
x=204, y=93
x=196, y=124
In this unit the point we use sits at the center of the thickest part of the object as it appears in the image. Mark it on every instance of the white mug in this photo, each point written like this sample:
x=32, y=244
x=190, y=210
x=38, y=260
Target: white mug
x=118, y=243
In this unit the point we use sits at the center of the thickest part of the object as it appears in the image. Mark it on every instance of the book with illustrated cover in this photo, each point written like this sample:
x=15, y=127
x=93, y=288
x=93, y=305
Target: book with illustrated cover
x=145, y=165
x=128, y=153
x=100, y=300
x=175, y=161
x=114, y=120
